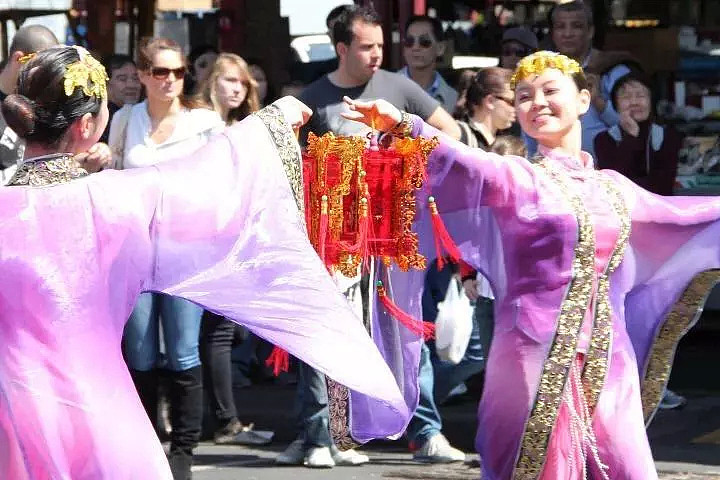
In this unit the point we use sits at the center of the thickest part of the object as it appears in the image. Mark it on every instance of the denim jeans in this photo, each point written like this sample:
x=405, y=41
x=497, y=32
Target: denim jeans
x=311, y=406
x=181, y=330
x=449, y=375
x=426, y=421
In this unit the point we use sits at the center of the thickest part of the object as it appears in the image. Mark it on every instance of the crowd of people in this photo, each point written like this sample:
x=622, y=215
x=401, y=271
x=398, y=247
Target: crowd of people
x=165, y=265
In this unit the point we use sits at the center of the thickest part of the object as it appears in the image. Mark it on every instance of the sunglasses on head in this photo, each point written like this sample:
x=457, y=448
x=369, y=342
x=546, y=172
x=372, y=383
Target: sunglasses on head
x=423, y=40
x=162, y=73
x=515, y=52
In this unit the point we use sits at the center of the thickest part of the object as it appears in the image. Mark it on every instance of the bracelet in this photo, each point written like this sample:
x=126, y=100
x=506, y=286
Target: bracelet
x=403, y=128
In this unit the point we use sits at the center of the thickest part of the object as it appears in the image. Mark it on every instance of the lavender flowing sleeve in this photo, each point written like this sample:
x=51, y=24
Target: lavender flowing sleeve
x=228, y=234
x=672, y=264
x=473, y=189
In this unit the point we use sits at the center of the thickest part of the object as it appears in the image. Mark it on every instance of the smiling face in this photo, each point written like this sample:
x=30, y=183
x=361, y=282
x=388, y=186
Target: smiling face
x=633, y=98
x=549, y=105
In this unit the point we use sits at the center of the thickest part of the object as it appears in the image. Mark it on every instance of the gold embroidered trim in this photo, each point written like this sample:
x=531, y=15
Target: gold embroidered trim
x=533, y=445
x=287, y=147
x=44, y=173
x=597, y=359
x=339, y=409
x=678, y=321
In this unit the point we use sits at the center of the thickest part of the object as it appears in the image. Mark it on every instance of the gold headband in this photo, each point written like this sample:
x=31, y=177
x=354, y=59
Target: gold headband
x=538, y=62
x=88, y=74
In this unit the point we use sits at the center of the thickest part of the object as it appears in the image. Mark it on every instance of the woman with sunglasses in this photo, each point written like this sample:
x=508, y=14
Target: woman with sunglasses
x=166, y=125
x=489, y=106
x=595, y=280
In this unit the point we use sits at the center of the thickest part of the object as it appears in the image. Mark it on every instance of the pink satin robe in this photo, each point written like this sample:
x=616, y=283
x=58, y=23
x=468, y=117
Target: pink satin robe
x=220, y=228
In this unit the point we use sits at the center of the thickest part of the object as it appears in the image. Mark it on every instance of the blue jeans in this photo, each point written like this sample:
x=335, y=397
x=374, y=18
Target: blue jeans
x=311, y=405
x=426, y=421
x=181, y=330
x=448, y=375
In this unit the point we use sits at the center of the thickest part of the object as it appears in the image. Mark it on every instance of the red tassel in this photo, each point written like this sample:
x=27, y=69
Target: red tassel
x=323, y=227
x=442, y=238
x=426, y=329
x=363, y=233
x=279, y=360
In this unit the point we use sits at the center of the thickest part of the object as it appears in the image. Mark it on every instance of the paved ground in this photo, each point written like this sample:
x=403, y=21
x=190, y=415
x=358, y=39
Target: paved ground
x=686, y=442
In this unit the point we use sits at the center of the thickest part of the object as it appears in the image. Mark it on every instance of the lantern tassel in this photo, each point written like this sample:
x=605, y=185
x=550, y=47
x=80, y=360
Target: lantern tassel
x=426, y=329
x=443, y=241
x=323, y=227
x=279, y=360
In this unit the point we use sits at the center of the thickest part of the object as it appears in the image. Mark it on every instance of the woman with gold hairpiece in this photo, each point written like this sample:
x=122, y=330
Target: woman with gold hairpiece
x=76, y=251
x=594, y=279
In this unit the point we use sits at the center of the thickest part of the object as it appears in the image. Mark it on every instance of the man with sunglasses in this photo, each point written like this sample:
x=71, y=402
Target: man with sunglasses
x=422, y=48
x=517, y=42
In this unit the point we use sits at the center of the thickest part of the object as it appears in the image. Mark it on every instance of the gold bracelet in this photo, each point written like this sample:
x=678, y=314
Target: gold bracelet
x=403, y=129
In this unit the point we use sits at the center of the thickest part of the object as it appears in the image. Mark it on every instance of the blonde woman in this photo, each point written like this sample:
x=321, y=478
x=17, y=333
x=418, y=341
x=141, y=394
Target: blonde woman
x=230, y=88
x=165, y=126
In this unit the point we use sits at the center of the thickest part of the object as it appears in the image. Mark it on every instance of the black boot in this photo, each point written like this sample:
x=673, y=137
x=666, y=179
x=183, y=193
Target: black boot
x=186, y=408
x=146, y=384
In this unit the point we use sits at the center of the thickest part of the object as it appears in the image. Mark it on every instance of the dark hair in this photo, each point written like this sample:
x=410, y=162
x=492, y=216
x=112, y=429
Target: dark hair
x=342, y=30
x=40, y=111
x=198, y=52
x=116, y=62
x=488, y=81
x=335, y=14
x=631, y=76
x=581, y=81
x=437, y=27
x=33, y=38
x=572, y=6
x=149, y=47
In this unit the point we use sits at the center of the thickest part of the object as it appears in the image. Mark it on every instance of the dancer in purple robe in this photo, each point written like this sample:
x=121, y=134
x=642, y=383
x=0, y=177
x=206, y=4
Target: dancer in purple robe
x=222, y=228
x=595, y=279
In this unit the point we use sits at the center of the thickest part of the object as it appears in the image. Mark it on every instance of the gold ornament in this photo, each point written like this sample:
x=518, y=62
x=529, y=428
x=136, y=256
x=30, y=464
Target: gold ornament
x=88, y=74
x=26, y=58
x=538, y=62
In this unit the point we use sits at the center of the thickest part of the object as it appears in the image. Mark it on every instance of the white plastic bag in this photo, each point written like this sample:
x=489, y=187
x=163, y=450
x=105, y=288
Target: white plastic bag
x=453, y=325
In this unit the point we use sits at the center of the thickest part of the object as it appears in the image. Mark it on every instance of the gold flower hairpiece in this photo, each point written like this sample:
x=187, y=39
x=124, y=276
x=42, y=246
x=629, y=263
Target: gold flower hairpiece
x=538, y=62
x=26, y=58
x=88, y=74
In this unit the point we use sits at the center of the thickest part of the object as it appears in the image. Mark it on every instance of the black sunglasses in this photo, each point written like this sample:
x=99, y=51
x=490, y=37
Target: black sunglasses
x=162, y=73
x=423, y=40
x=506, y=100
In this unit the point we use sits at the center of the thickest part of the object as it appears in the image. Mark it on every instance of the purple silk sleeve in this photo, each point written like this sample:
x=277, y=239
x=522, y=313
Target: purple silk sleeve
x=673, y=240
x=231, y=238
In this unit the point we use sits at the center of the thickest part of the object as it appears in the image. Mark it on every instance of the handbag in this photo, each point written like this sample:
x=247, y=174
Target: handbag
x=453, y=324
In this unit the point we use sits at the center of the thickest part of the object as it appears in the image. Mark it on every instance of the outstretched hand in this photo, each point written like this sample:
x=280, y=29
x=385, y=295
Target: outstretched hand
x=377, y=114
x=296, y=113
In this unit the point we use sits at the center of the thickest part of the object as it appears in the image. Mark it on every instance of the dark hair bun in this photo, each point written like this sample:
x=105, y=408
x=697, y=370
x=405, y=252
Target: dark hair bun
x=19, y=114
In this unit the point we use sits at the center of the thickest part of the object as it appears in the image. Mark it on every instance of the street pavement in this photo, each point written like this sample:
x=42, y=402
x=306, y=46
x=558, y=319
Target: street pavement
x=685, y=442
